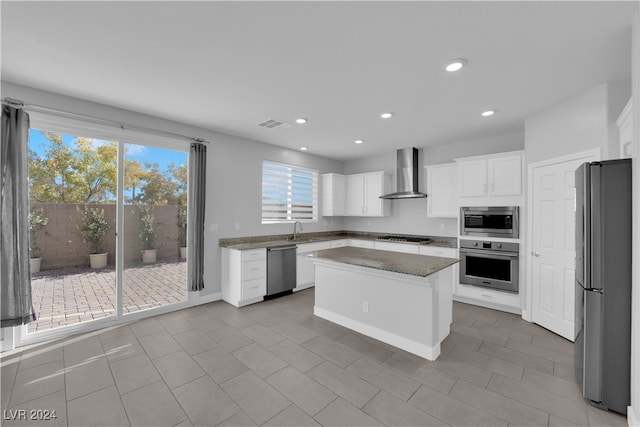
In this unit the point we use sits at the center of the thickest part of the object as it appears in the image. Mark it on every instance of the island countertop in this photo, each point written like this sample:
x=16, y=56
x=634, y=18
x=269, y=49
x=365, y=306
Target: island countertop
x=397, y=262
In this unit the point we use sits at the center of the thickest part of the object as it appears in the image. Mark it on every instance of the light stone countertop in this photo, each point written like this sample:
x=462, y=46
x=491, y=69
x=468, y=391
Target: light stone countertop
x=248, y=243
x=397, y=262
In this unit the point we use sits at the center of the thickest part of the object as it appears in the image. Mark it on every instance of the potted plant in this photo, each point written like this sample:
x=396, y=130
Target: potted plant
x=92, y=230
x=37, y=220
x=148, y=234
x=182, y=231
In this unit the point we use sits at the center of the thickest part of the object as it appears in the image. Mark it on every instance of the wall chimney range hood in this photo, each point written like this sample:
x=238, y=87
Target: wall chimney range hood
x=407, y=176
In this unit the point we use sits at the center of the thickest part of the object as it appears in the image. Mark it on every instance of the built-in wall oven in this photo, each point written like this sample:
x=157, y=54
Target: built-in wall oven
x=489, y=221
x=489, y=264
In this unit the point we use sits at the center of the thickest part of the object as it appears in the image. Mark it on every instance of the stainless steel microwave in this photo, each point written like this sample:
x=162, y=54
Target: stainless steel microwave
x=489, y=221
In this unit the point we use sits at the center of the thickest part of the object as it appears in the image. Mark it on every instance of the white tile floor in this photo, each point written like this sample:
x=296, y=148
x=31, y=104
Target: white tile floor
x=276, y=364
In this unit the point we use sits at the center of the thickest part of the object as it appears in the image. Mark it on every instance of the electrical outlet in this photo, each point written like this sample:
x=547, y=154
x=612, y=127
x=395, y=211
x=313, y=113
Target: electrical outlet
x=365, y=307
x=213, y=227
x=237, y=226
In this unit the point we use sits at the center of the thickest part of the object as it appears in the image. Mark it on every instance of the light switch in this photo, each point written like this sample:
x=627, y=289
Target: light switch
x=213, y=227
x=237, y=226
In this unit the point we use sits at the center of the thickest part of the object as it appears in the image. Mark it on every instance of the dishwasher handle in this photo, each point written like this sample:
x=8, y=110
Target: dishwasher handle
x=281, y=248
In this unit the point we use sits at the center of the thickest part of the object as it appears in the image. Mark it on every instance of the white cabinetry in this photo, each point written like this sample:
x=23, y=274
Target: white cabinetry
x=333, y=194
x=397, y=247
x=472, y=178
x=445, y=253
x=244, y=276
x=505, y=176
x=368, y=244
x=484, y=297
x=305, y=272
x=442, y=190
x=439, y=251
x=363, y=193
x=625, y=126
x=489, y=180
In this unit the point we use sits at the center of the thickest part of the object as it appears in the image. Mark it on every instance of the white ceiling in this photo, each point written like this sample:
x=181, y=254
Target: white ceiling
x=229, y=65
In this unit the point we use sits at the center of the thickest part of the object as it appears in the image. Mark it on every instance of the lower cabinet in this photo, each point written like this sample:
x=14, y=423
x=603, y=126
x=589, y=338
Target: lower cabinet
x=305, y=270
x=490, y=298
x=445, y=253
x=367, y=244
x=397, y=247
x=244, y=276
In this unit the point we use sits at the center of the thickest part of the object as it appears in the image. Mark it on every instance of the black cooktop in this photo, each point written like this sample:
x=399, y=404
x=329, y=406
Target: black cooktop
x=403, y=239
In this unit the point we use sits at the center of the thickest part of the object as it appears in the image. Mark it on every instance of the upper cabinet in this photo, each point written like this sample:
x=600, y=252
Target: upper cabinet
x=355, y=195
x=333, y=196
x=363, y=193
x=625, y=126
x=488, y=177
x=505, y=176
x=442, y=190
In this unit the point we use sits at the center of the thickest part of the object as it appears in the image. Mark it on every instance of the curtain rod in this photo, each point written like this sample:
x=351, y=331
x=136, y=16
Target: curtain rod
x=21, y=104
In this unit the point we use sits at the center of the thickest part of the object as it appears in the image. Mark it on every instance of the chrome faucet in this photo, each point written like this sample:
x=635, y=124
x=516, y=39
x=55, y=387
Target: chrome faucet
x=295, y=227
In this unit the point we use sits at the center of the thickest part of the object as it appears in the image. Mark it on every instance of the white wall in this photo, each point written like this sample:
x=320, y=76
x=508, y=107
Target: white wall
x=409, y=216
x=633, y=413
x=581, y=123
x=234, y=182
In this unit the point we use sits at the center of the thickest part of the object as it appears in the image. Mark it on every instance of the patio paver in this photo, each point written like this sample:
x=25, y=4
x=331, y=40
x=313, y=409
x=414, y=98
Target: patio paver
x=72, y=295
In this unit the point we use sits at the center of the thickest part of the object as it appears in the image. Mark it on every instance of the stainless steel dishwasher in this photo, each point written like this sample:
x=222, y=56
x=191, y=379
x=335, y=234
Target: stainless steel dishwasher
x=281, y=270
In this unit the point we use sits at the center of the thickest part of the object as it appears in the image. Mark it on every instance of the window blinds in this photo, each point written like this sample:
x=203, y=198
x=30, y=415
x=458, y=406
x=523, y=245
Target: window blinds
x=289, y=193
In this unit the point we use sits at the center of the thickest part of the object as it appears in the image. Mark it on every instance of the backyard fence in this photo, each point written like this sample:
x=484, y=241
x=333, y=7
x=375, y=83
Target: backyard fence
x=61, y=246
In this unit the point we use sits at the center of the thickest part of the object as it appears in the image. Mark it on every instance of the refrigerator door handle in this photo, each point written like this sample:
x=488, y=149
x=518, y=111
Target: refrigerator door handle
x=594, y=258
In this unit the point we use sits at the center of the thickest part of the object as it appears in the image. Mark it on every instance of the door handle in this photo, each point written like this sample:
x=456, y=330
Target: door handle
x=535, y=253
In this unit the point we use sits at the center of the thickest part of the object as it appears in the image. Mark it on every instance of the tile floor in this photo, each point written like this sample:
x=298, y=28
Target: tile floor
x=275, y=364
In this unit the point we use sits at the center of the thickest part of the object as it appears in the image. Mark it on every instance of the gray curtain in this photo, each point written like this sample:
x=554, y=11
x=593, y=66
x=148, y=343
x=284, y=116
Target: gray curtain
x=15, y=274
x=195, y=223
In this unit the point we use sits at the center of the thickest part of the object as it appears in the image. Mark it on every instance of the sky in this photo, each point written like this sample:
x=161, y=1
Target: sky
x=163, y=157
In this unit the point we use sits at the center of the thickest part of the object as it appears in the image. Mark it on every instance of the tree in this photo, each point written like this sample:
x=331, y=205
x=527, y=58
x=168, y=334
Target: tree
x=84, y=173
x=134, y=176
x=180, y=175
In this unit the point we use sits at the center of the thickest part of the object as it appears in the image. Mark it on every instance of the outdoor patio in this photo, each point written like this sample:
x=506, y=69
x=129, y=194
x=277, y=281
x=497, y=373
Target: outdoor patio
x=68, y=296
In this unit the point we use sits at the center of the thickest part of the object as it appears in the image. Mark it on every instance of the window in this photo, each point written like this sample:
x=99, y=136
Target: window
x=289, y=193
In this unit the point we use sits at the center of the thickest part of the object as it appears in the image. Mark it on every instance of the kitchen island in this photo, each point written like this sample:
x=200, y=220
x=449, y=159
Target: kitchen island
x=401, y=299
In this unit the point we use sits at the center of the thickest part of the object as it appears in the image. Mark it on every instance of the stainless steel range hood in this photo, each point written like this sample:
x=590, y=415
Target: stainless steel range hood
x=407, y=176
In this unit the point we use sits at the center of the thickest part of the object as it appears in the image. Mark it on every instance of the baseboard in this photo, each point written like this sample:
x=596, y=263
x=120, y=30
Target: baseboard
x=632, y=417
x=208, y=298
x=422, y=350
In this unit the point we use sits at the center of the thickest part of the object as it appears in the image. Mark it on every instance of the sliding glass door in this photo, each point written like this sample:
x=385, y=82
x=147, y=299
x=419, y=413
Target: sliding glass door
x=72, y=192
x=85, y=191
x=155, y=223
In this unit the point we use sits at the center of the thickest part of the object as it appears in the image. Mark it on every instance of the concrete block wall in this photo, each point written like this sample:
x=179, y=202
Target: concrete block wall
x=61, y=245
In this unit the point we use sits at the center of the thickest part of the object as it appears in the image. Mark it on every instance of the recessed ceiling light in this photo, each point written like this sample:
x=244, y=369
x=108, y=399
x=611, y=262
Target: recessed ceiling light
x=386, y=115
x=301, y=120
x=359, y=141
x=304, y=148
x=488, y=113
x=454, y=65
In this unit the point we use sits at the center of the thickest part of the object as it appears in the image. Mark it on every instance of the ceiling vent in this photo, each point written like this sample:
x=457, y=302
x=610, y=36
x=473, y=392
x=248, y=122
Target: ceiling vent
x=275, y=124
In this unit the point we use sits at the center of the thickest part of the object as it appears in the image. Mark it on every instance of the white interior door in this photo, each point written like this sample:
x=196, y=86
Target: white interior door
x=553, y=245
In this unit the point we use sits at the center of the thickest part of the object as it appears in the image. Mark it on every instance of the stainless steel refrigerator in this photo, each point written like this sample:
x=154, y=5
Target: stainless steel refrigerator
x=603, y=283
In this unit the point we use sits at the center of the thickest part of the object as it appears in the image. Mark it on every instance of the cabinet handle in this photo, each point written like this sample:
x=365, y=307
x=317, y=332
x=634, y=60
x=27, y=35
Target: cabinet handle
x=255, y=268
x=487, y=296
